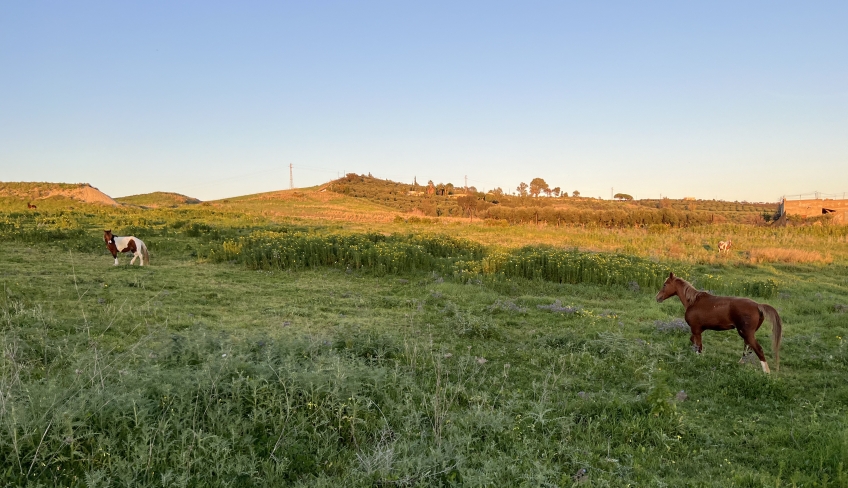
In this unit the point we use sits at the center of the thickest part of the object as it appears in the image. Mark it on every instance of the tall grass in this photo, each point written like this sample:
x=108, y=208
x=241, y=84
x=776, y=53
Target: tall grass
x=381, y=253
x=750, y=287
x=572, y=266
x=465, y=259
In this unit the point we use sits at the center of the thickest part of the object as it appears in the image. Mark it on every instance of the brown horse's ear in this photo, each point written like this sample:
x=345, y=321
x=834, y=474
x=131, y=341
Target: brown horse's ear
x=671, y=275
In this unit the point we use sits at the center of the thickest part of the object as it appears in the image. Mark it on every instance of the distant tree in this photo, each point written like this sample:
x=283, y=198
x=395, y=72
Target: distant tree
x=449, y=189
x=547, y=191
x=556, y=191
x=468, y=204
x=522, y=189
x=575, y=193
x=431, y=188
x=622, y=196
x=537, y=185
x=497, y=192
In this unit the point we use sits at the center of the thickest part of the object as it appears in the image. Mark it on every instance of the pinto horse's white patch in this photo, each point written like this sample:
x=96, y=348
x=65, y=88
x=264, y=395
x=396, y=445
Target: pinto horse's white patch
x=123, y=243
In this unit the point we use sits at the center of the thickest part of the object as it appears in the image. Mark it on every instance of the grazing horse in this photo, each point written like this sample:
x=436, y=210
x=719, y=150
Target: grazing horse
x=130, y=244
x=724, y=246
x=705, y=311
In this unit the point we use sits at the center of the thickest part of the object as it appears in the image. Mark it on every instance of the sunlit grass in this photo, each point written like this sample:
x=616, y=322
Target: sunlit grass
x=407, y=352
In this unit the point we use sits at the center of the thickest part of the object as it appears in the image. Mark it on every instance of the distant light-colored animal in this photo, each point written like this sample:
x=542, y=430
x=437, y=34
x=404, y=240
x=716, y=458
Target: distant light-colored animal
x=130, y=244
x=724, y=246
x=29, y=205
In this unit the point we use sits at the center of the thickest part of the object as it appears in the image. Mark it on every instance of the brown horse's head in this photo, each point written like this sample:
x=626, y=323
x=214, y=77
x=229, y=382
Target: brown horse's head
x=668, y=289
x=107, y=236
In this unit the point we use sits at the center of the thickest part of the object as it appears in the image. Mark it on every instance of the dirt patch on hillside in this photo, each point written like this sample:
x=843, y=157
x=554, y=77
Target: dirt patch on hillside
x=82, y=192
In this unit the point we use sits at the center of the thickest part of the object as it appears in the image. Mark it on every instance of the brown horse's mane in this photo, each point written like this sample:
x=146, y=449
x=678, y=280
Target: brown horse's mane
x=690, y=293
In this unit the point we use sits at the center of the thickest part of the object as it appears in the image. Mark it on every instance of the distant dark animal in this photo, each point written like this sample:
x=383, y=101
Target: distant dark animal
x=130, y=244
x=724, y=246
x=705, y=311
x=31, y=206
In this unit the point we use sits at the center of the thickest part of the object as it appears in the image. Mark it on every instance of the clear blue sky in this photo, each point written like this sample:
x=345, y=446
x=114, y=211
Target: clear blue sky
x=730, y=100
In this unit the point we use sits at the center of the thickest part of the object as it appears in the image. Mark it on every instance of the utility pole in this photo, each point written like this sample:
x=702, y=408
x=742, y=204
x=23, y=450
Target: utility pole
x=291, y=178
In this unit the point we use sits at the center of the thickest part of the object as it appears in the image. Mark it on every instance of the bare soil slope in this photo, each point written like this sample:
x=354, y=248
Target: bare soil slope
x=36, y=191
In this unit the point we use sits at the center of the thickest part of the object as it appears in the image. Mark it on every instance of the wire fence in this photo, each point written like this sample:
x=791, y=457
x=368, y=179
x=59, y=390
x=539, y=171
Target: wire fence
x=816, y=195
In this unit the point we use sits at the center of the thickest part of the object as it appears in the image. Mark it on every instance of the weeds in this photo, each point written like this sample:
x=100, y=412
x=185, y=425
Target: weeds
x=557, y=307
x=674, y=325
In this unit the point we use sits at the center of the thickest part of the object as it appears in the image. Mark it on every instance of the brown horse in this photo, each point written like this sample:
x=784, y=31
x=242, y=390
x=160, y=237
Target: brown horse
x=705, y=311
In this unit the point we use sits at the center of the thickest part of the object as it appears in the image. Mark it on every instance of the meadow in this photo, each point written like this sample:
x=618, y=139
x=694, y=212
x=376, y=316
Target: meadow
x=316, y=339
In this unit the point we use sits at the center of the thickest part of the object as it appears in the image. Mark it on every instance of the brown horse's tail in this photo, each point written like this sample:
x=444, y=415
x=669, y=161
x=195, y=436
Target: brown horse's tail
x=145, y=256
x=777, y=330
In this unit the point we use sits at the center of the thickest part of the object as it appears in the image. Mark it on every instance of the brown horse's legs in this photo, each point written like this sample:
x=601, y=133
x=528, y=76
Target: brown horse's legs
x=745, y=352
x=695, y=339
x=751, y=340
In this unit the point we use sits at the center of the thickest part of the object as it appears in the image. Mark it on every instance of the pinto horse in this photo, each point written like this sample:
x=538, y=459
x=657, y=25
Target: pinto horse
x=130, y=244
x=705, y=311
x=724, y=246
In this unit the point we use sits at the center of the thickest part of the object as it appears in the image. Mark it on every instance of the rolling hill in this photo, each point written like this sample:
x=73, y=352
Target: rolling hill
x=38, y=193
x=157, y=199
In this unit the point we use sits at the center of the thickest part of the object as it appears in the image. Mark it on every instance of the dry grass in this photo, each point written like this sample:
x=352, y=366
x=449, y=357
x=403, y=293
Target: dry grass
x=793, y=256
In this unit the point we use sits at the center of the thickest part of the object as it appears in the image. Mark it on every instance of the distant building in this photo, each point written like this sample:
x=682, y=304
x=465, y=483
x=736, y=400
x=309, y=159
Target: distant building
x=816, y=208
x=688, y=198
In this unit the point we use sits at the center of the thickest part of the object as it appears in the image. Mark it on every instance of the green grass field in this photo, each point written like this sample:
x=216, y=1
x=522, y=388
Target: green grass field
x=199, y=371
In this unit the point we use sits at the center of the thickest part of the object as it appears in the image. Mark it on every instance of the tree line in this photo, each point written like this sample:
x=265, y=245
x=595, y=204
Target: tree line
x=538, y=203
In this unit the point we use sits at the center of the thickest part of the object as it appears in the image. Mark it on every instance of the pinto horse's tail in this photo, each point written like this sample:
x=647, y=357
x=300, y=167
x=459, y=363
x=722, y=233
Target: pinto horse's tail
x=145, y=256
x=777, y=330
